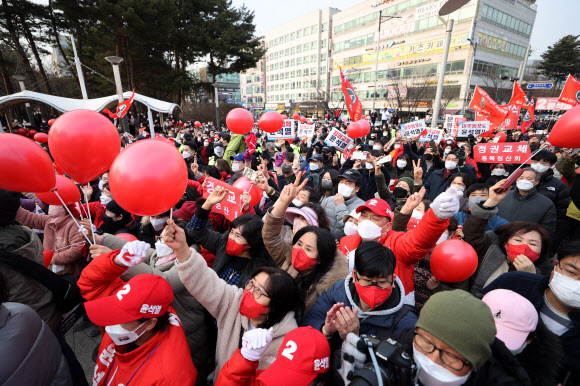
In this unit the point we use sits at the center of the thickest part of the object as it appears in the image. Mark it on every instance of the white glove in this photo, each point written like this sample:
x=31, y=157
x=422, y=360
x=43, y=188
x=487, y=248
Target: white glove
x=351, y=359
x=82, y=229
x=133, y=253
x=446, y=204
x=255, y=342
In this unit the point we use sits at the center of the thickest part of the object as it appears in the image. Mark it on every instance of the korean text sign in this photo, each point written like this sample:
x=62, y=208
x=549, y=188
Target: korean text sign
x=286, y=132
x=472, y=128
x=339, y=140
x=413, y=129
x=432, y=135
x=305, y=130
x=507, y=153
x=231, y=206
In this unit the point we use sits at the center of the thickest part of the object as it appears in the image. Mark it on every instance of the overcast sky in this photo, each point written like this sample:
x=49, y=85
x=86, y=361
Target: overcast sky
x=556, y=18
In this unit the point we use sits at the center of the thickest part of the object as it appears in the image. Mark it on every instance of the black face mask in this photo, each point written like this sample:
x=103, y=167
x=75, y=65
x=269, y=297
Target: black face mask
x=400, y=192
x=428, y=156
x=533, y=148
x=326, y=157
x=110, y=225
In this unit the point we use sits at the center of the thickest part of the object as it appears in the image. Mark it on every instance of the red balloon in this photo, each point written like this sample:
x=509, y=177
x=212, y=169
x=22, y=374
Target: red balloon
x=197, y=124
x=51, y=121
x=41, y=137
x=67, y=190
x=453, y=261
x=302, y=119
x=365, y=127
x=271, y=121
x=32, y=133
x=245, y=185
x=59, y=169
x=148, y=178
x=353, y=130
x=126, y=236
x=24, y=165
x=47, y=257
x=240, y=121
x=565, y=131
x=296, y=116
x=21, y=131
x=284, y=117
x=84, y=143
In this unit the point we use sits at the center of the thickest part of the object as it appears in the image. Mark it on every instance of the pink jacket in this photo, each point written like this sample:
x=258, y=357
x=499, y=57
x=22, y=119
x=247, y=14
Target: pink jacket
x=59, y=232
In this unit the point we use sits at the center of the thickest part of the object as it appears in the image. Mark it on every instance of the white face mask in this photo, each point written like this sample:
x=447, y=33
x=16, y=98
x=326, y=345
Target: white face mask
x=369, y=165
x=206, y=143
x=219, y=151
x=186, y=155
x=346, y=191
x=498, y=172
x=350, y=147
x=101, y=184
x=105, y=199
x=377, y=147
x=460, y=188
x=371, y=143
x=314, y=166
x=350, y=228
x=158, y=223
x=236, y=167
x=368, y=230
x=57, y=211
x=417, y=214
x=401, y=164
x=447, y=151
x=162, y=249
x=121, y=336
x=450, y=165
x=540, y=168
x=397, y=146
x=524, y=185
x=566, y=289
x=432, y=374
x=297, y=202
x=520, y=349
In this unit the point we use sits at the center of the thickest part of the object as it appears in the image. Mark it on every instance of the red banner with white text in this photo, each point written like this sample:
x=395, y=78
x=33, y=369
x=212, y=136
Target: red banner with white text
x=231, y=206
x=507, y=153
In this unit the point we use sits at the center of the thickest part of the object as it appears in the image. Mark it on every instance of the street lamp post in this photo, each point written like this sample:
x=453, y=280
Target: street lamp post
x=377, y=61
x=21, y=79
x=115, y=61
x=217, y=107
x=79, y=69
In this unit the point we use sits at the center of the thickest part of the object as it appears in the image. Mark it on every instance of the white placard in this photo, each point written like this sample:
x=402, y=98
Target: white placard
x=451, y=123
x=413, y=129
x=286, y=132
x=339, y=140
x=432, y=135
x=305, y=130
x=472, y=128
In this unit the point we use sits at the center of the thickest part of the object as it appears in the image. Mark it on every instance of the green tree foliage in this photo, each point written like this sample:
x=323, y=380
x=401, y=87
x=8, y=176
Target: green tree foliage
x=562, y=58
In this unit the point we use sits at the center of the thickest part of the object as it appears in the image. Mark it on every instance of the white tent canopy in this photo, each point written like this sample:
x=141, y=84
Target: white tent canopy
x=98, y=104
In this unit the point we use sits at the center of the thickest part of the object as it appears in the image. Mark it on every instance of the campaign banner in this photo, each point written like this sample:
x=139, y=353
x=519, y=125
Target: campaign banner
x=339, y=140
x=551, y=104
x=305, y=130
x=286, y=132
x=451, y=123
x=507, y=153
x=231, y=206
x=413, y=129
x=432, y=135
x=472, y=128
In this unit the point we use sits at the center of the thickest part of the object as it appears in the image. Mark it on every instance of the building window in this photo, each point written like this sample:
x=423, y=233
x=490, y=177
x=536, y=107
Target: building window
x=313, y=58
x=305, y=59
x=324, y=27
x=305, y=46
x=298, y=49
x=293, y=36
x=313, y=45
x=314, y=29
x=306, y=31
x=298, y=61
x=298, y=34
x=323, y=44
x=305, y=72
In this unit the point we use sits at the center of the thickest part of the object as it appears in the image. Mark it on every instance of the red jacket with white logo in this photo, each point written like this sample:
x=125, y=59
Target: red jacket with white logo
x=239, y=371
x=170, y=364
x=409, y=247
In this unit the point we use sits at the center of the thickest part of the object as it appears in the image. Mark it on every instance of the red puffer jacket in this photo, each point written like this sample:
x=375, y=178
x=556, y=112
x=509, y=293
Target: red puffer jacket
x=238, y=371
x=408, y=247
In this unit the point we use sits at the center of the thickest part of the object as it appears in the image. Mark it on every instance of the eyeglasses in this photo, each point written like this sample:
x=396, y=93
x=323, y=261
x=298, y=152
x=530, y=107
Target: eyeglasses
x=368, y=283
x=568, y=273
x=256, y=291
x=451, y=360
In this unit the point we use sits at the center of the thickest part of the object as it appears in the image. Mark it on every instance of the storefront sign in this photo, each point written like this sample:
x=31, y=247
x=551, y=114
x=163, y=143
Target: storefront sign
x=551, y=104
x=428, y=10
x=491, y=43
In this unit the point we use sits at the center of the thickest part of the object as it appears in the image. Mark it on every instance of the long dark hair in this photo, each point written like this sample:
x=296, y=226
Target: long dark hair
x=283, y=293
x=250, y=227
x=326, y=247
x=334, y=178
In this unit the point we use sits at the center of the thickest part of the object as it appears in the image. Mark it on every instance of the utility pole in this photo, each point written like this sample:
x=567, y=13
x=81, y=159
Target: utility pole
x=377, y=61
x=79, y=69
x=21, y=79
x=115, y=61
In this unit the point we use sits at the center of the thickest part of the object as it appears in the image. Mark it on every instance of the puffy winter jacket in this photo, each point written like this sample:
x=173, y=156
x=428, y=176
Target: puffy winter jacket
x=408, y=247
x=336, y=213
x=436, y=184
x=30, y=352
x=556, y=191
x=532, y=207
x=492, y=225
x=239, y=371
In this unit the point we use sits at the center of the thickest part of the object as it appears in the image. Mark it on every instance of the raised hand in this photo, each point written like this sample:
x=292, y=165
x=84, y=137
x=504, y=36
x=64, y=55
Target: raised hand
x=215, y=197
x=338, y=199
x=194, y=166
x=523, y=263
x=329, y=328
x=246, y=199
x=496, y=194
x=132, y=253
x=174, y=237
x=346, y=322
x=417, y=172
x=263, y=182
x=413, y=201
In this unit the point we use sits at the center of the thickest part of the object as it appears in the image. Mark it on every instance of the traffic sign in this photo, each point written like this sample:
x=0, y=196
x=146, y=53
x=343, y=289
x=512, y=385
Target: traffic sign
x=540, y=85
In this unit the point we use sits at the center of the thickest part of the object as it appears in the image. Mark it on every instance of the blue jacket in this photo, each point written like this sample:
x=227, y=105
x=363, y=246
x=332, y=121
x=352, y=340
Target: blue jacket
x=369, y=321
x=492, y=225
x=532, y=287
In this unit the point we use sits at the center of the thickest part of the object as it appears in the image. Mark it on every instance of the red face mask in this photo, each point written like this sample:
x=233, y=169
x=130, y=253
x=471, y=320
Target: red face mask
x=300, y=260
x=235, y=249
x=250, y=308
x=514, y=251
x=372, y=295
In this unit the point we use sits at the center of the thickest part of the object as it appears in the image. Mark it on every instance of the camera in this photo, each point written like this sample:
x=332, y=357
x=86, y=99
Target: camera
x=387, y=360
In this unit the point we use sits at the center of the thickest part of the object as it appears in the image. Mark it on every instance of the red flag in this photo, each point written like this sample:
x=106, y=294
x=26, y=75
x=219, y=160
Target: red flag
x=482, y=103
x=571, y=92
x=122, y=108
x=353, y=104
x=520, y=99
x=424, y=132
x=529, y=118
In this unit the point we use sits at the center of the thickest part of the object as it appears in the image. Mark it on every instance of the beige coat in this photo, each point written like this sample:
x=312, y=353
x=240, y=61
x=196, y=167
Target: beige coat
x=222, y=301
x=278, y=242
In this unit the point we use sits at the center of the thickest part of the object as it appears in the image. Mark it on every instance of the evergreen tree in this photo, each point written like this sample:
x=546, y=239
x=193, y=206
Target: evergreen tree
x=562, y=58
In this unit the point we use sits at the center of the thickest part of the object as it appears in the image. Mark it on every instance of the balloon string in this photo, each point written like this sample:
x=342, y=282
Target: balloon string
x=89, y=212
x=84, y=210
x=73, y=217
x=171, y=214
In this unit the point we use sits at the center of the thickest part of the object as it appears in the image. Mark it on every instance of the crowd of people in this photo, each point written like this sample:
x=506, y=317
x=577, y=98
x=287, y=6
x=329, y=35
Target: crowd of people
x=295, y=290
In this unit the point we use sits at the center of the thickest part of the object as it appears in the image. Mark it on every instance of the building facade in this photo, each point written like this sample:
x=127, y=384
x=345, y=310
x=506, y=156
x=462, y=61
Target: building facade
x=253, y=87
x=297, y=65
x=228, y=85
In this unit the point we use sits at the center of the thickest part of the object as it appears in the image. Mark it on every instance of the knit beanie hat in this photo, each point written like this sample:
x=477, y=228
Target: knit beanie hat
x=462, y=321
x=409, y=182
x=9, y=204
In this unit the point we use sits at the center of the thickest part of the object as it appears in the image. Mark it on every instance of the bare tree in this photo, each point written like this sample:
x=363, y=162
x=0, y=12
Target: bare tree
x=499, y=89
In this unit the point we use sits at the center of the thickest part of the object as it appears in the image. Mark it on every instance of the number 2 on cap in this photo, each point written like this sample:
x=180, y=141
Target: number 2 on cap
x=124, y=291
x=291, y=348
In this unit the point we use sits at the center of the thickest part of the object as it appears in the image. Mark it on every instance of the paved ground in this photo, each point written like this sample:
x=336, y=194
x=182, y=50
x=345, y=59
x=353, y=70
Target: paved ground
x=83, y=345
